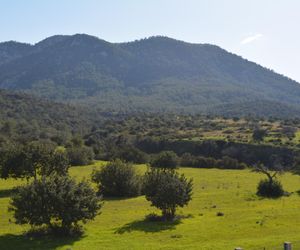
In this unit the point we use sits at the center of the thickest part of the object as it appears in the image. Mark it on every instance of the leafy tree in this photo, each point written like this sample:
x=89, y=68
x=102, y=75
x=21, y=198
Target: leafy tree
x=132, y=154
x=165, y=159
x=55, y=201
x=259, y=134
x=59, y=162
x=80, y=155
x=32, y=160
x=118, y=178
x=77, y=141
x=167, y=190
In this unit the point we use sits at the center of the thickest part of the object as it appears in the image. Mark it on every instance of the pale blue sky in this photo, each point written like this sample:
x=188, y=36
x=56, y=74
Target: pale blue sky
x=264, y=31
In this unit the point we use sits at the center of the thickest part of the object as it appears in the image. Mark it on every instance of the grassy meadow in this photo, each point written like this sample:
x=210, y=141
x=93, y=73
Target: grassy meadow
x=248, y=221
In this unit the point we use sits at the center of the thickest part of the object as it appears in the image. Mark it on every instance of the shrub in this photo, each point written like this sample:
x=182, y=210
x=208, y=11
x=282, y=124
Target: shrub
x=167, y=190
x=226, y=162
x=229, y=163
x=55, y=201
x=165, y=159
x=259, y=134
x=205, y=162
x=187, y=160
x=117, y=178
x=80, y=155
x=269, y=189
x=132, y=154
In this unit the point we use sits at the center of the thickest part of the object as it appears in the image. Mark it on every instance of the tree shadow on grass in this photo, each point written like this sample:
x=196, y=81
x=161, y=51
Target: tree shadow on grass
x=24, y=242
x=117, y=199
x=148, y=226
x=6, y=192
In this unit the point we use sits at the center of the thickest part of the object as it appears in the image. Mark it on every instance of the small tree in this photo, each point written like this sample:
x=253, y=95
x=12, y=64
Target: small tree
x=117, y=178
x=80, y=155
x=131, y=154
x=270, y=187
x=55, y=201
x=165, y=159
x=259, y=134
x=167, y=190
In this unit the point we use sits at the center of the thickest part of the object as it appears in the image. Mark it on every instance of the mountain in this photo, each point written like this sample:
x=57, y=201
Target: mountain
x=12, y=50
x=156, y=74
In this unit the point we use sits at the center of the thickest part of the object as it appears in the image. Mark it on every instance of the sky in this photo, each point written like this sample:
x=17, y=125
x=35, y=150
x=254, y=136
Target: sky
x=264, y=31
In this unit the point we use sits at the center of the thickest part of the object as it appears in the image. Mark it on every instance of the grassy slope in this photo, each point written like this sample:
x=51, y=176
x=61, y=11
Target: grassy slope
x=248, y=221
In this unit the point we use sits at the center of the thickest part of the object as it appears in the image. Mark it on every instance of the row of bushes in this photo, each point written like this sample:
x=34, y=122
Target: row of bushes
x=84, y=155
x=169, y=159
x=225, y=162
x=250, y=154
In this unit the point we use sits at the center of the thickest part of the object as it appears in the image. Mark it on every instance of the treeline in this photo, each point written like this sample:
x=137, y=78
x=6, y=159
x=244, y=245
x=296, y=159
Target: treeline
x=201, y=154
x=137, y=138
x=38, y=158
x=218, y=149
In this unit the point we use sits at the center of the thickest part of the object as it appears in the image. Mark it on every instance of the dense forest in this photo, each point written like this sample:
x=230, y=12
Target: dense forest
x=25, y=118
x=197, y=140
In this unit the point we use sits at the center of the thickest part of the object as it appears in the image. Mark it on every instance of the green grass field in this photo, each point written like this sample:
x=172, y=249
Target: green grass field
x=248, y=221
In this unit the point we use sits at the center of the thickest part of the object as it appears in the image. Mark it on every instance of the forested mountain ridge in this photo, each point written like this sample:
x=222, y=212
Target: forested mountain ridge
x=155, y=74
x=12, y=50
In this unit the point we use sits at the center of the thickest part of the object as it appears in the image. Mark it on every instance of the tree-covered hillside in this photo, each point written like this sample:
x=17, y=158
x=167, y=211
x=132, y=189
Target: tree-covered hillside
x=155, y=74
x=24, y=118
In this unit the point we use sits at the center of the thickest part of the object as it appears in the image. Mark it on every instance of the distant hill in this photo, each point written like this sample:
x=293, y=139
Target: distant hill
x=156, y=74
x=13, y=50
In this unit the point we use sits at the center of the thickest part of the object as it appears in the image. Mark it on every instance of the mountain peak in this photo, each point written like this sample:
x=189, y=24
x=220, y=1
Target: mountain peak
x=156, y=73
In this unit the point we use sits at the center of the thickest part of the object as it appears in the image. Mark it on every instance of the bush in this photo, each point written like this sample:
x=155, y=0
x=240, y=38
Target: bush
x=226, y=162
x=259, y=134
x=167, y=190
x=118, y=179
x=55, y=201
x=132, y=154
x=229, y=163
x=80, y=155
x=187, y=160
x=205, y=162
x=269, y=189
x=165, y=159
